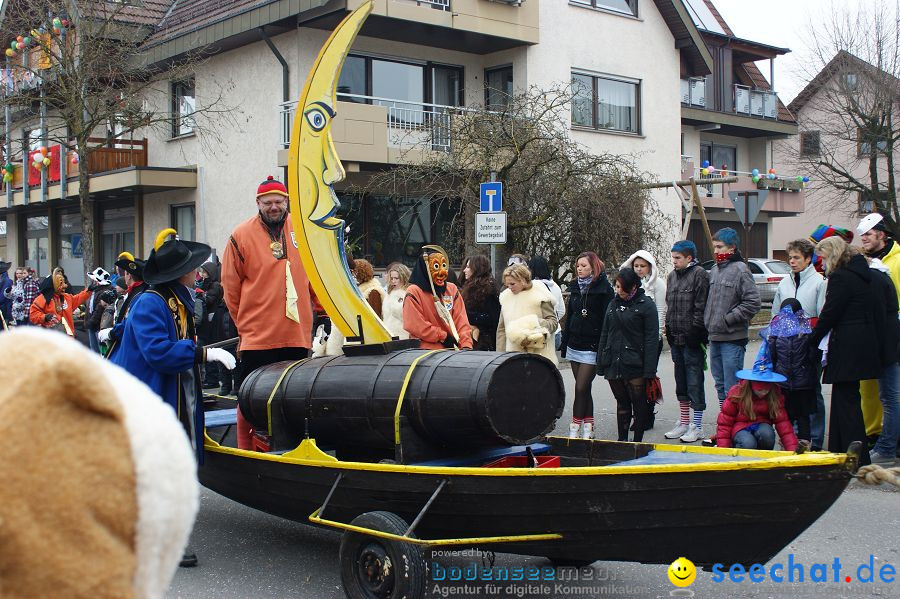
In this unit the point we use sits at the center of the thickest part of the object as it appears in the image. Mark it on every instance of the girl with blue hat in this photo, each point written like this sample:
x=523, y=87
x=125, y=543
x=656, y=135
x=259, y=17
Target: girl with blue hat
x=754, y=409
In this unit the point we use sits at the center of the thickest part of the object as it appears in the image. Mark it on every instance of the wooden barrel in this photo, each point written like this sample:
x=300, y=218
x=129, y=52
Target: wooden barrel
x=452, y=398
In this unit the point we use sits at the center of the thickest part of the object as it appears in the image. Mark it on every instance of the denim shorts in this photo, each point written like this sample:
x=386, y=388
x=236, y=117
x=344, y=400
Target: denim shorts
x=580, y=356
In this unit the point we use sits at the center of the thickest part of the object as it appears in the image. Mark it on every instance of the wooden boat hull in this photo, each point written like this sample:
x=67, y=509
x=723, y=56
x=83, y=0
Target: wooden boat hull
x=642, y=513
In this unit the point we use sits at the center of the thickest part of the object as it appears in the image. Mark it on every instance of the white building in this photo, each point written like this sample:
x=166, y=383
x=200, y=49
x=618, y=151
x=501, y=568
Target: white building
x=414, y=58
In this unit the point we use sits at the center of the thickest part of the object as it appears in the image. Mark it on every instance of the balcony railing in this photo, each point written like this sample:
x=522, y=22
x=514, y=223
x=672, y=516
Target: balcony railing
x=123, y=154
x=755, y=102
x=409, y=123
x=437, y=4
x=747, y=101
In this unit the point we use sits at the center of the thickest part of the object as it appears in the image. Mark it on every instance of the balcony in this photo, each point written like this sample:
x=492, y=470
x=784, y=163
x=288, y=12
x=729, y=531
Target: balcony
x=381, y=130
x=785, y=195
x=477, y=26
x=119, y=167
x=749, y=113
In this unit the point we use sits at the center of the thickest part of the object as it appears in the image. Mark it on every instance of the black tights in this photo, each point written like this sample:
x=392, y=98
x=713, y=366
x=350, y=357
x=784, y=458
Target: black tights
x=584, y=378
x=631, y=397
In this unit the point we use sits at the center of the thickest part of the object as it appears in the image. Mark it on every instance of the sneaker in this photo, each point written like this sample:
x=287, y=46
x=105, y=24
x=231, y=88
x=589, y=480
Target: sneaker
x=188, y=559
x=711, y=442
x=693, y=434
x=676, y=432
x=573, y=430
x=588, y=431
x=881, y=459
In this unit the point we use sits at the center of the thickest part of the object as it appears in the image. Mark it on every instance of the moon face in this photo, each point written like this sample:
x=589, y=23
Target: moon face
x=313, y=168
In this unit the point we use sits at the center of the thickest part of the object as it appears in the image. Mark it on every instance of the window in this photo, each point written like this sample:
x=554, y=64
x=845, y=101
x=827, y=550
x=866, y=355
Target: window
x=498, y=87
x=4, y=255
x=865, y=139
x=605, y=103
x=183, y=106
x=404, y=85
x=70, y=245
x=851, y=81
x=809, y=143
x=184, y=221
x=37, y=244
x=628, y=7
x=116, y=232
x=866, y=202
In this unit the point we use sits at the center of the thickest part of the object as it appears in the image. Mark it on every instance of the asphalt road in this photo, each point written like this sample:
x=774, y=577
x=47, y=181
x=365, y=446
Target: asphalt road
x=245, y=554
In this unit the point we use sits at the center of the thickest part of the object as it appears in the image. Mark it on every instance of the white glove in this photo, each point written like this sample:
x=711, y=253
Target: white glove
x=103, y=335
x=217, y=354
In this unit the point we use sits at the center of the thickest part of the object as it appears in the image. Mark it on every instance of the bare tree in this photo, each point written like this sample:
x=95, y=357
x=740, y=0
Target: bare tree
x=560, y=198
x=79, y=64
x=849, y=121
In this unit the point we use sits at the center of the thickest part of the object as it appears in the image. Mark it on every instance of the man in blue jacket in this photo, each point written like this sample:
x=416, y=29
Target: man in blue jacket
x=159, y=343
x=5, y=302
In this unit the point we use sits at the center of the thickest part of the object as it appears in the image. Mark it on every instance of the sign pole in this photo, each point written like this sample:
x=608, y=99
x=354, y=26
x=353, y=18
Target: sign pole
x=494, y=245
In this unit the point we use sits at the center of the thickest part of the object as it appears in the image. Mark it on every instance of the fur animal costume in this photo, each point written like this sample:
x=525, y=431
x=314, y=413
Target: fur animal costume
x=520, y=328
x=102, y=503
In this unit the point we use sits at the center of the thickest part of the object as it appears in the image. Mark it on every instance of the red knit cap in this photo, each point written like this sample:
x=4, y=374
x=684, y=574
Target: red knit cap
x=271, y=185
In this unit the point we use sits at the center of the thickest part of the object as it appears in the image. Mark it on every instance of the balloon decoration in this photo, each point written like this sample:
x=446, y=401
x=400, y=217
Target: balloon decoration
x=704, y=171
x=58, y=25
x=41, y=158
x=705, y=164
x=8, y=170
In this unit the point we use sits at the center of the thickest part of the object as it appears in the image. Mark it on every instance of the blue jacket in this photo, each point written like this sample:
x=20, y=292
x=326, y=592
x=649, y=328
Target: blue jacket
x=151, y=351
x=5, y=302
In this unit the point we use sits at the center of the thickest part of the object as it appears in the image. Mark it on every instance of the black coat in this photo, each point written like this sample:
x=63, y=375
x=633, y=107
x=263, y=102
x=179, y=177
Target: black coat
x=853, y=309
x=582, y=330
x=795, y=358
x=485, y=314
x=891, y=326
x=629, y=345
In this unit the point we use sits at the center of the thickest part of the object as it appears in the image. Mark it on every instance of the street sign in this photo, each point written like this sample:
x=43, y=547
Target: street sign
x=492, y=197
x=490, y=228
x=747, y=204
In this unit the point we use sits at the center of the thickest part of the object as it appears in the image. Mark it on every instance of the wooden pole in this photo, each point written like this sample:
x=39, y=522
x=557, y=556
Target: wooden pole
x=706, y=181
x=699, y=205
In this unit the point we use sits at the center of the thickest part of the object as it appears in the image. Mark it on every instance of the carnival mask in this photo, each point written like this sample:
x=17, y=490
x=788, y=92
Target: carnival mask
x=59, y=283
x=437, y=268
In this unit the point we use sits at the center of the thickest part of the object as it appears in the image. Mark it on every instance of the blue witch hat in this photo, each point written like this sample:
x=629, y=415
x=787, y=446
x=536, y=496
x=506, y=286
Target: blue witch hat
x=762, y=367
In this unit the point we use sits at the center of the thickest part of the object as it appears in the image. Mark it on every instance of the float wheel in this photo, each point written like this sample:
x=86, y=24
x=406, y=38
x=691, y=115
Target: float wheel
x=377, y=568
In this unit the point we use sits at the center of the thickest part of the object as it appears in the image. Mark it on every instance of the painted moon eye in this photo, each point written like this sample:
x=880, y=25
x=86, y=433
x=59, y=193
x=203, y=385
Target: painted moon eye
x=316, y=119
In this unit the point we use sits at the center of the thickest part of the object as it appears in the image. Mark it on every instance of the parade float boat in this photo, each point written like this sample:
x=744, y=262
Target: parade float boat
x=404, y=448
x=442, y=471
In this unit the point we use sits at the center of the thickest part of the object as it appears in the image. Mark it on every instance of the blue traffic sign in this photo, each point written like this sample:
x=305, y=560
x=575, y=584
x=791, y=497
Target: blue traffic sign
x=492, y=197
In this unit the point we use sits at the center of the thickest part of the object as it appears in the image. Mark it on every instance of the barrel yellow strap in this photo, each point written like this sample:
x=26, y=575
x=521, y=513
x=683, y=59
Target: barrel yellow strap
x=274, y=389
x=400, y=399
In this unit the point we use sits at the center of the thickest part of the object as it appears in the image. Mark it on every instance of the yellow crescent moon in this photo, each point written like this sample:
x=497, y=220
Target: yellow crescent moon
x=313, y=167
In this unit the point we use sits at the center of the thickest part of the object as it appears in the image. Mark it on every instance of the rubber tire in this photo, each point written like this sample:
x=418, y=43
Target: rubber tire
x=409, y=580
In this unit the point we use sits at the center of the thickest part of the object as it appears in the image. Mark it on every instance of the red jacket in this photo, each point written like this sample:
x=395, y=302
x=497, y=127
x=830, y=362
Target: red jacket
x=732, y=420
x=421, y=320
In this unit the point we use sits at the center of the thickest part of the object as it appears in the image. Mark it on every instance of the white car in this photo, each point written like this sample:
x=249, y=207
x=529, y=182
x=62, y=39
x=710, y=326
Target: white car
x=767, y=273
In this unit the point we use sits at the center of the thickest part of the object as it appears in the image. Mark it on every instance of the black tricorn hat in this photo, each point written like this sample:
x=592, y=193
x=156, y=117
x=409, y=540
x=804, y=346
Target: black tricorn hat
x=131, y=265
x=4, y=266
x=172, y=258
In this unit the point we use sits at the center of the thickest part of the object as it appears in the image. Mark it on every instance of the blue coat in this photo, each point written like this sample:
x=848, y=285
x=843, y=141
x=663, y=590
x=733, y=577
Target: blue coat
x=5, y=303
x=151, y=351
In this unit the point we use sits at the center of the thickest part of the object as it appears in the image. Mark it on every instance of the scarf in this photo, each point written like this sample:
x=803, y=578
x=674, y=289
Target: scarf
x=584, y=282
x=631, y=295
x=880, y=254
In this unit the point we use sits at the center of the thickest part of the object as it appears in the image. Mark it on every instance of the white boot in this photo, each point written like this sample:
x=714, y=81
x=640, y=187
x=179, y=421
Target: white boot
x=573, y=430
x=588, y=431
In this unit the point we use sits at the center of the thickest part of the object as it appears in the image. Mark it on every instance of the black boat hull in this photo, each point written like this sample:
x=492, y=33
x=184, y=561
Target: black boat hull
x=708, y=513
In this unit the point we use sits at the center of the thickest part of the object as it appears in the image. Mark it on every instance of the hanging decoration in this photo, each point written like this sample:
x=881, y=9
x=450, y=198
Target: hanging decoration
x=40, y=159
x=8, y=170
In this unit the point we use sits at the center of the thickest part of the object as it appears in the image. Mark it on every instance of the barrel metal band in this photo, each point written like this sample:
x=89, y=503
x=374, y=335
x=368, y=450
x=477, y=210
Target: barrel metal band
x=400, y=399
x=275, y=388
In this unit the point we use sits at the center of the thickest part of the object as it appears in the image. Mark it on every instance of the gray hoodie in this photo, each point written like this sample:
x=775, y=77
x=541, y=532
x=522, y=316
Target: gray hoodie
x=733, y=300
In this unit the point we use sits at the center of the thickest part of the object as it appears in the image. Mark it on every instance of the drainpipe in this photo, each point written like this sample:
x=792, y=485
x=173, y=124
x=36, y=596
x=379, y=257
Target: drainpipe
x=285, y=77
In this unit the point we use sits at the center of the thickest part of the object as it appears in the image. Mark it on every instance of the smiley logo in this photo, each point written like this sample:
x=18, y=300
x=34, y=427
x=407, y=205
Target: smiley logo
x=682, y=572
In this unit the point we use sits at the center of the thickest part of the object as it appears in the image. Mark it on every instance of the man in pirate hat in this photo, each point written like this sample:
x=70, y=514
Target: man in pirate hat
x=132, y=270
x=158, y=345
x=433, y=309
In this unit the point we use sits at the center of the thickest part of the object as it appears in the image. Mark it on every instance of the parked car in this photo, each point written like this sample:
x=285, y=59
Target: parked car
x=766, y=272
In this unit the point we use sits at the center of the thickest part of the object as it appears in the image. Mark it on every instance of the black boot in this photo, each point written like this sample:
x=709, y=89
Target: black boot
x=623, y=419
x=651, y=420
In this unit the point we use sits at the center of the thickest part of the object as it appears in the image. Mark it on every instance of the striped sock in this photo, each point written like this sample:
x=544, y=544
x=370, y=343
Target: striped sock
x=685, y=417
x=698, y=418
x=589, y=420
x=577, y=421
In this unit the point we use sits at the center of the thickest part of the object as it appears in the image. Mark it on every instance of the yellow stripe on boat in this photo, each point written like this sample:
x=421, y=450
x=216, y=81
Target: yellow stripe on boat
x=402, y=396
x=315, y=519
x=768, y=460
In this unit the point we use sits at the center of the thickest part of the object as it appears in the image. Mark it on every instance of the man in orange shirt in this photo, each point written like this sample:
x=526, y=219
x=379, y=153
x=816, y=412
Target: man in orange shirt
x=266, y=288
x=433, y=309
